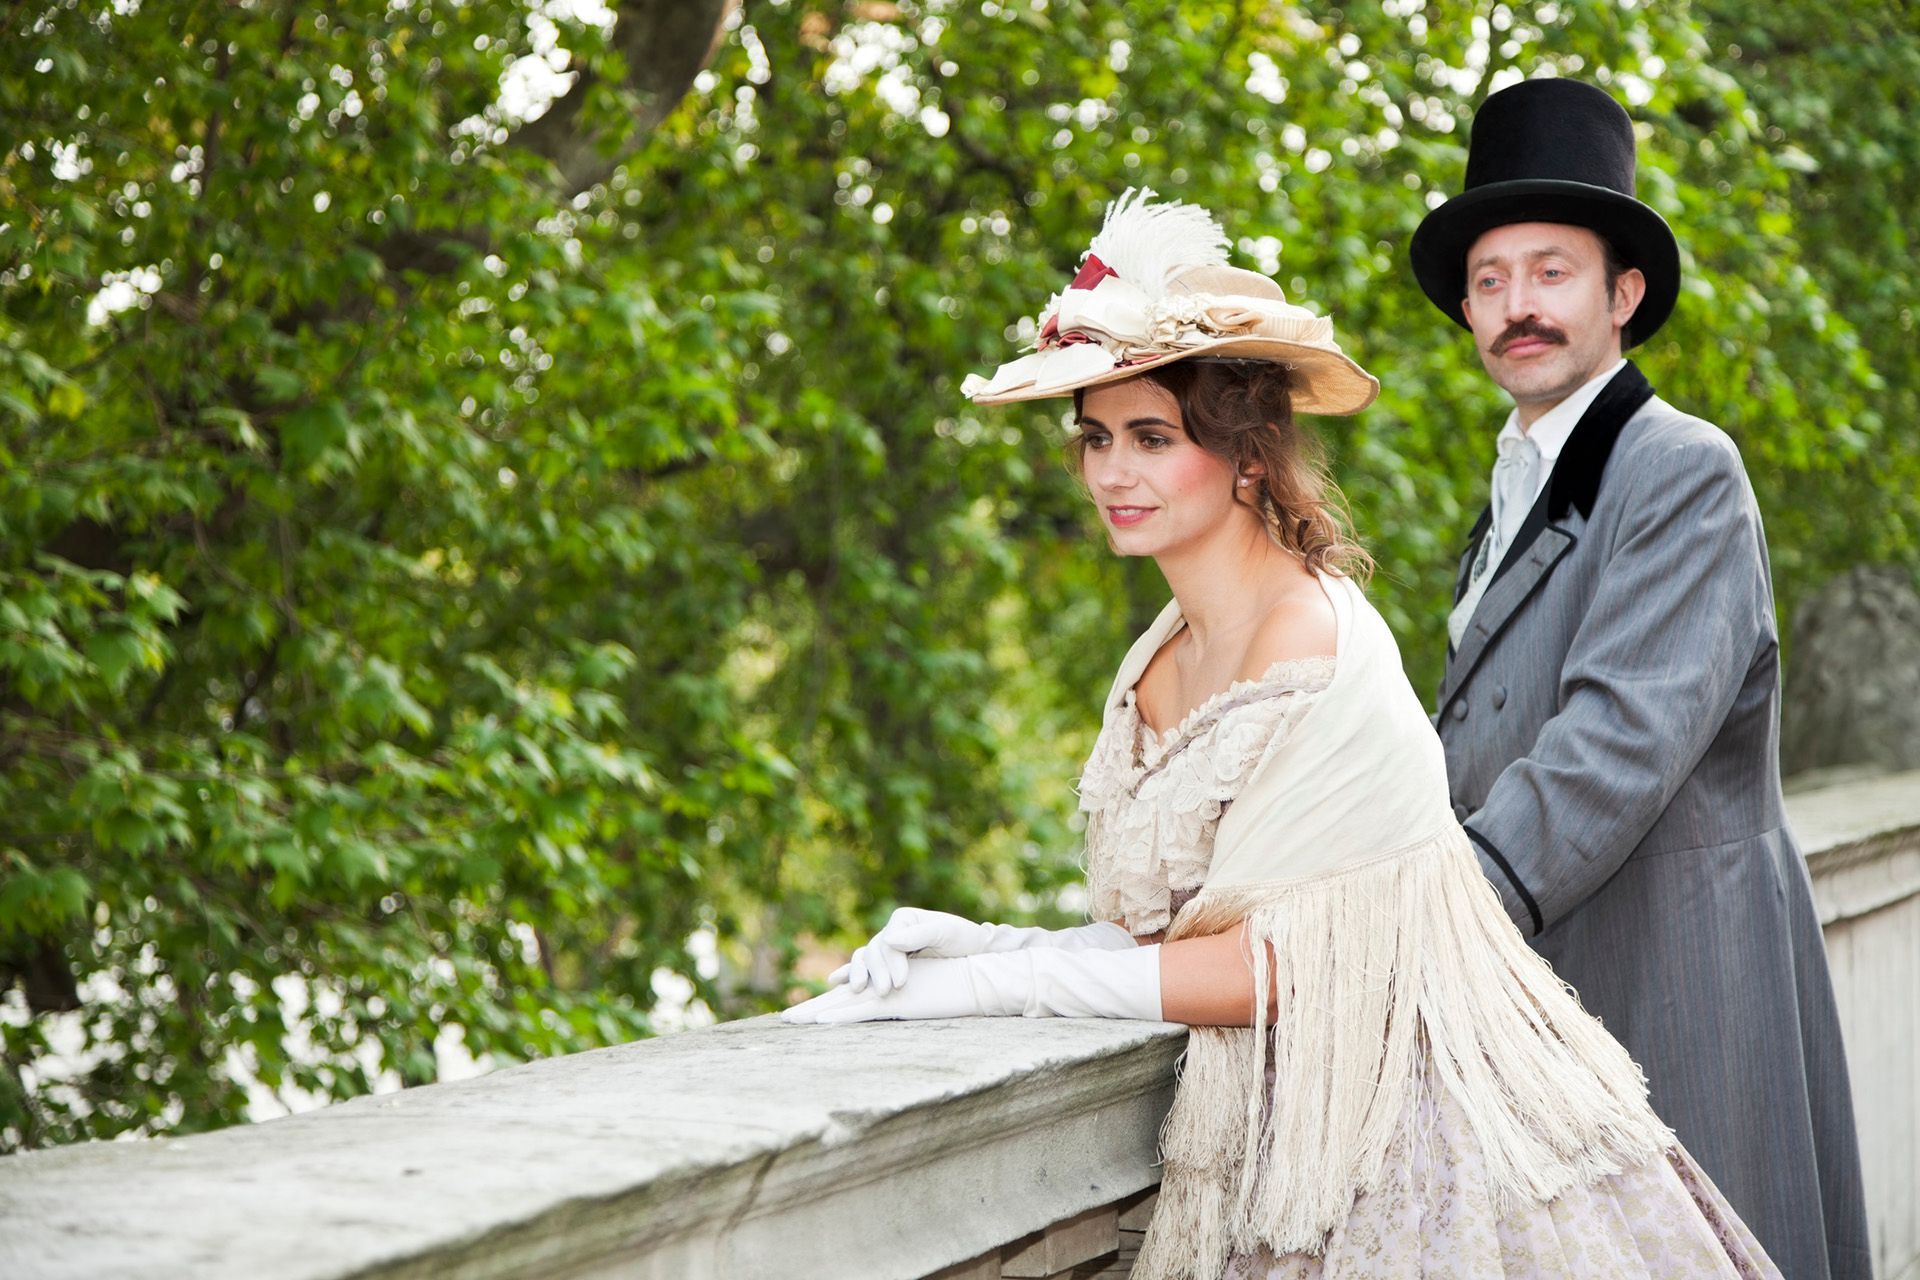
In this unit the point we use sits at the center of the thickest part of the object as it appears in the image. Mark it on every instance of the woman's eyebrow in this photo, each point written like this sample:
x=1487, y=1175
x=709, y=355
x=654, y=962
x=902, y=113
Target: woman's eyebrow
x=1133, y=424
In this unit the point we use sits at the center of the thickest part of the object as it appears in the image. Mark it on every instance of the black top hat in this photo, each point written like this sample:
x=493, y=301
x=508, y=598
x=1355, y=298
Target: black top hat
x=1550, y=150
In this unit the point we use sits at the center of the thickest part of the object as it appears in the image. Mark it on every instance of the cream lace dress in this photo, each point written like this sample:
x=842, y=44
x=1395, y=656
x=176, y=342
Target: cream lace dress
x=1153, y=804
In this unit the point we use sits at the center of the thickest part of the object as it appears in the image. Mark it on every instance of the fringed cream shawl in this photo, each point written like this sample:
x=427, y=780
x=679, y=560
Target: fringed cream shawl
x=1395, y=966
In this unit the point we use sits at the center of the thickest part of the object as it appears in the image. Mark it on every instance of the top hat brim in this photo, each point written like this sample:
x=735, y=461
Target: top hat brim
x=1639, y=234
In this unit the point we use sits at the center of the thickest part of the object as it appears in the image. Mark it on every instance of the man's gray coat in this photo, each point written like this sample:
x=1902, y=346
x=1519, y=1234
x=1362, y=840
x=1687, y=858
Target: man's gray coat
x=1611, y=730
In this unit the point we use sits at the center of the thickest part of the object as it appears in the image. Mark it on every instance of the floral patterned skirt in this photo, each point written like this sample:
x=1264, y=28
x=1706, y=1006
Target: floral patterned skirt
x=1432, y=1216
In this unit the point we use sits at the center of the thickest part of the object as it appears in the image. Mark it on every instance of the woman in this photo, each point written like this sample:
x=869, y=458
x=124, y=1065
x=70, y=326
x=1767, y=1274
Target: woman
x=1382, y=1079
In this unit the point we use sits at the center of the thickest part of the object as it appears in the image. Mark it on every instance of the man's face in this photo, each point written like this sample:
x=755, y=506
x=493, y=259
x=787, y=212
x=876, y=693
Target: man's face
x=1537, y=302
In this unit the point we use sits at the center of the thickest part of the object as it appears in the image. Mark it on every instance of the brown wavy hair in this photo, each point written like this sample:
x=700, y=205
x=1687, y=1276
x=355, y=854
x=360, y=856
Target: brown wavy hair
x=1241, y=412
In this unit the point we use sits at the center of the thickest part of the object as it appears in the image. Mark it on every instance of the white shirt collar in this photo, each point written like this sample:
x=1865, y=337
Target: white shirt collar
x=1550, y=431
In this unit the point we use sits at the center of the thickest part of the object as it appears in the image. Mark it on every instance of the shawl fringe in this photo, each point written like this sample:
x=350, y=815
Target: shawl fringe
x=1392, y=973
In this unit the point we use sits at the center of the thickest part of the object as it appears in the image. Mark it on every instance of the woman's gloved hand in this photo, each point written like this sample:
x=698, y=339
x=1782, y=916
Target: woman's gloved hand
x=1037, y=982
x=882, y=963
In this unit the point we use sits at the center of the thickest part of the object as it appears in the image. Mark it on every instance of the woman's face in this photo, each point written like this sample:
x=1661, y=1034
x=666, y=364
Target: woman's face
x=1156, y=490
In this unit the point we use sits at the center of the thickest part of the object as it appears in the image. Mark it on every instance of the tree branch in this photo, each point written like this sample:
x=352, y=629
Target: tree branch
x=664, y=44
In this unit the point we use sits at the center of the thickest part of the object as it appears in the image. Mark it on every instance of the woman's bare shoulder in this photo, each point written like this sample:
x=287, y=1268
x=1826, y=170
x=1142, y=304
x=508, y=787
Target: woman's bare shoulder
x=1301, y=624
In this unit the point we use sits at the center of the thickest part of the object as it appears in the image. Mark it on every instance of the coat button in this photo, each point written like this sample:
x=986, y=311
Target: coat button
x=1499, y=697
x=1460, y=709
x=1459, y=811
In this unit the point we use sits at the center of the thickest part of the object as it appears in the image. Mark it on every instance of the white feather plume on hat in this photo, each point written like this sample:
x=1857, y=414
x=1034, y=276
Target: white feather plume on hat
x=1146, y=243
x=1155, y=286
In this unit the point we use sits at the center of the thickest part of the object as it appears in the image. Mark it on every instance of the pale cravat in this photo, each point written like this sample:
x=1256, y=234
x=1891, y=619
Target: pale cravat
x=1516, y=482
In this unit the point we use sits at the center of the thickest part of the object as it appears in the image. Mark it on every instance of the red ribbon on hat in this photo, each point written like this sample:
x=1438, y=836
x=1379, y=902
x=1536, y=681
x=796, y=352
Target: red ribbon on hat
x=1091, y=273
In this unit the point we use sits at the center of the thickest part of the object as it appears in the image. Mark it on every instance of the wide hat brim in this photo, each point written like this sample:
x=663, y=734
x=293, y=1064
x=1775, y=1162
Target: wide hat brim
x=1639, y=234
x=1322, y=381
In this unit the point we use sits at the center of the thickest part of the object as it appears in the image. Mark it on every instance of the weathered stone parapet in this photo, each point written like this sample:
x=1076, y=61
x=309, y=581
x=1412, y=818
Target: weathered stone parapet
x=976, y=1149
x=1862, y=841
x=753, y=1149
x=1861, y=838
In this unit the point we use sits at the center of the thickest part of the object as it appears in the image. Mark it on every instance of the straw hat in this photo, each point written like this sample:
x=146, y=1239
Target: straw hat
x=1154, y=287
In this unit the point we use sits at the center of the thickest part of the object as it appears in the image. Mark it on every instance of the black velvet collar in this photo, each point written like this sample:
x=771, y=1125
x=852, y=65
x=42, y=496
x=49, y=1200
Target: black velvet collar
x=1575, y=482
x=1576, y=476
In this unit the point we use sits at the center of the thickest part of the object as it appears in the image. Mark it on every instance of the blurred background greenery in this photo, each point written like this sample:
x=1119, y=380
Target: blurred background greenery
x=492, y=557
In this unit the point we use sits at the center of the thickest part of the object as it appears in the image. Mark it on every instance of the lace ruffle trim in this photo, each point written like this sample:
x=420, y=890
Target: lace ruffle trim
x=1289, y=675
x=1152, y=802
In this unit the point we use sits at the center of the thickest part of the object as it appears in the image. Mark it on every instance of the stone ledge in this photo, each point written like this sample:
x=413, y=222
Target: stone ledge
x=1861, y=838
x=745, y=1150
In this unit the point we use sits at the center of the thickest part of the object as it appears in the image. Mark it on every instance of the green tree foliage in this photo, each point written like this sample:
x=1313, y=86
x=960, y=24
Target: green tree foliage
x=486, y=554
x=1838, y=89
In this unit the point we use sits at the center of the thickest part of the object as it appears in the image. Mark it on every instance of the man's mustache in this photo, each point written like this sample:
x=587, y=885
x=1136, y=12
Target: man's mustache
x=1526, y=329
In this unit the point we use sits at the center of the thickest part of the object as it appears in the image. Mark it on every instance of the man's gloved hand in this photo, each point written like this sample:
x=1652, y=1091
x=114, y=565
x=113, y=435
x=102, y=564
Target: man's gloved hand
x=882, y=963
x=1044, y=982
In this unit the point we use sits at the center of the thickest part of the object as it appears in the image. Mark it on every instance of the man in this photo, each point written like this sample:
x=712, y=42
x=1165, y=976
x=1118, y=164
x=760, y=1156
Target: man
x=1609, y=707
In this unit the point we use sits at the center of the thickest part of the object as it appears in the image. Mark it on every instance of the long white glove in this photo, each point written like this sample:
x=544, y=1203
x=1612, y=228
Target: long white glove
x=1043, y=982
x=882, y=963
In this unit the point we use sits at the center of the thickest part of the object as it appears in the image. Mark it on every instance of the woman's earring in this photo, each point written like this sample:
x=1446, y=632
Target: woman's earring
x=1245, y=481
